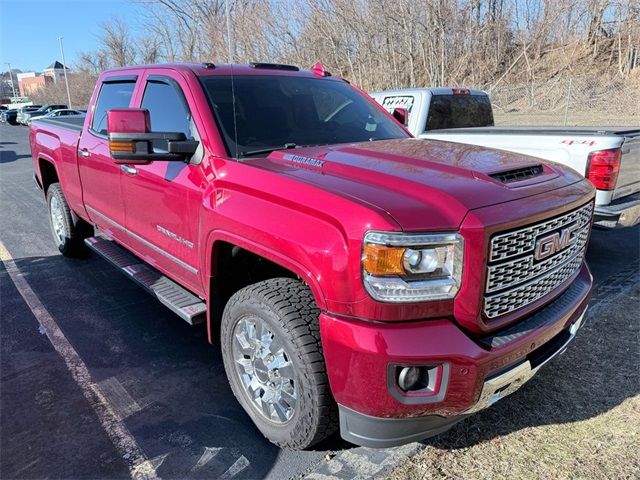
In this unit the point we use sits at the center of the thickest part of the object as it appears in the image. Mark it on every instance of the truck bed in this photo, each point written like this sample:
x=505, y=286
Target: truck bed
x=524, y=130
x=71, y=122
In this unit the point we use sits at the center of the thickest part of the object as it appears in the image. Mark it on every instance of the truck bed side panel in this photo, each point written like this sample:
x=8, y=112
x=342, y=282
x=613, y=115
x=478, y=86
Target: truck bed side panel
x=57, y=143
x=629, y=176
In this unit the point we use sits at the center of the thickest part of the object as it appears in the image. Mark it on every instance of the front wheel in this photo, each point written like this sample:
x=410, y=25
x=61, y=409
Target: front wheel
x=67, y=235
x=273, y=358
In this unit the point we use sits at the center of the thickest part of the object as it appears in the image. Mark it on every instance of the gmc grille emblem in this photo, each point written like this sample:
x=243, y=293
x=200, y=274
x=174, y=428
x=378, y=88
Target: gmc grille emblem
x=551, y=244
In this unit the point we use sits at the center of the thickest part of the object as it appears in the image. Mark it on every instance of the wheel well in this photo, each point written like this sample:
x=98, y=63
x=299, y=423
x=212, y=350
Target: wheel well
x=235, y=268
x=48, y=174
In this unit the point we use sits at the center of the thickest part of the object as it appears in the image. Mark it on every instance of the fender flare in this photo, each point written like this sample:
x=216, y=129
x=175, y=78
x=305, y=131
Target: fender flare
x=304, y=273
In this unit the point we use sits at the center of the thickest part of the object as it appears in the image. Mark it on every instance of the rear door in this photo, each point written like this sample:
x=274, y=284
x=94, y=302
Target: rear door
x=99, y=174
x=163, y=199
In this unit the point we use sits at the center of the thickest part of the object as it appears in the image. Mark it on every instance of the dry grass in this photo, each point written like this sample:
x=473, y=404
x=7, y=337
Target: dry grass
x=579, y=418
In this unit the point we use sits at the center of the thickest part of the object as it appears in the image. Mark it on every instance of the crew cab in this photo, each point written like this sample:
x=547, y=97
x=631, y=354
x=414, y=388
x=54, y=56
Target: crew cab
x=608, y=156
x=354, y=277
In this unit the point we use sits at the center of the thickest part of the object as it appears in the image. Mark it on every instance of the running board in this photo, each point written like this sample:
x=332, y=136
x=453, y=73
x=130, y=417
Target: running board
x=182, y=302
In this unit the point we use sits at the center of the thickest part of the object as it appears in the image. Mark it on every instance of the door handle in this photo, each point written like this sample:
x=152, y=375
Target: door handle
x=84, y=153
x=128, y=169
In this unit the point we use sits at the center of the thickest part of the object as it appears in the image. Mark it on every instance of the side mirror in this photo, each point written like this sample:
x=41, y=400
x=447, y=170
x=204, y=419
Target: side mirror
x=131, y=140
x=401, y=115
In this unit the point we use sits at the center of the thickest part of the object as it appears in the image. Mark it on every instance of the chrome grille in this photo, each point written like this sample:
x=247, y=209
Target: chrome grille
x=513, y=283
x=510, y=244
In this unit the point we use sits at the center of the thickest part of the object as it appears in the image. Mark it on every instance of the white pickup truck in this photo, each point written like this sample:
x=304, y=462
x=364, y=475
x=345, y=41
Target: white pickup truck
x=608, y=156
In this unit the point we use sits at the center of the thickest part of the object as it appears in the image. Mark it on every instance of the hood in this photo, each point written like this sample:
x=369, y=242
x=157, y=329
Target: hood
x=420, y=182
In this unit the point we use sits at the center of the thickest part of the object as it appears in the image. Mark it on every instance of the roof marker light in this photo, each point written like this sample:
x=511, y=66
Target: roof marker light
x=320, y=70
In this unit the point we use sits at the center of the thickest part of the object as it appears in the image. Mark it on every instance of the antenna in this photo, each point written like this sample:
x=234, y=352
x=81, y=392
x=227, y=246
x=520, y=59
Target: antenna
x=233, y=89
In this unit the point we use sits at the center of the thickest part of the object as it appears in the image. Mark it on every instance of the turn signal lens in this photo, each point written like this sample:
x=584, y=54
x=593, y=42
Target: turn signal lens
x=125, y=147
x=381, y=260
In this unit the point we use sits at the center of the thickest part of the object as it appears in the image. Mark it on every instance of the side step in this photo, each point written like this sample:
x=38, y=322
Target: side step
x=182, y=302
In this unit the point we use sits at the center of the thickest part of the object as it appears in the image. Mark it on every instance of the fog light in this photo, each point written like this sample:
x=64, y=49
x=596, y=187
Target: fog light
x=409, y=378
x=418, y=384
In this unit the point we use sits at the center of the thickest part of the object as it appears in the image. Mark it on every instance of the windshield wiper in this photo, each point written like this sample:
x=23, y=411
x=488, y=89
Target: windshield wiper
x=286, y=146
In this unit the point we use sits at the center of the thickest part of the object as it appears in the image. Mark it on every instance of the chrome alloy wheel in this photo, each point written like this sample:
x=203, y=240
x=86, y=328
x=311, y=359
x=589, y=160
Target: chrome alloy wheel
x=57, y=220
x=265, y=369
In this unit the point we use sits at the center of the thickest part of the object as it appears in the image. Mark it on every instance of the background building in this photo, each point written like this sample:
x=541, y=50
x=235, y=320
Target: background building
x=31, y=82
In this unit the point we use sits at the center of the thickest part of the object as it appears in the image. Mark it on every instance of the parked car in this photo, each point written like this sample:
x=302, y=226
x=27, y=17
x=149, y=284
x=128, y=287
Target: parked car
x=64, y=112
x=608, y=156
x=23, y=111
x=355, y=277
x=43, y=110
x=9, y=116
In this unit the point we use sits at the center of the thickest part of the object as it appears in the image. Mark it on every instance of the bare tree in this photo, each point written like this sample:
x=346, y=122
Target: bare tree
x=118, y=43
x=386, y=43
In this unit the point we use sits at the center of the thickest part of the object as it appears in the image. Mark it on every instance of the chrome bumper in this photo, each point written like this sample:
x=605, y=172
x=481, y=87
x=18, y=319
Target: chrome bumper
x=624, y=212
x=508, y=382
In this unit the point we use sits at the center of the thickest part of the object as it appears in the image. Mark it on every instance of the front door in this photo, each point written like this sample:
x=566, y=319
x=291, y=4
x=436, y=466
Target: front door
x=163, y=199
x=99, y=174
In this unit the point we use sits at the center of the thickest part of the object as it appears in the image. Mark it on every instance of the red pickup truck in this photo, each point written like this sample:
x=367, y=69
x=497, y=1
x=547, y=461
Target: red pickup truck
x=355, y=277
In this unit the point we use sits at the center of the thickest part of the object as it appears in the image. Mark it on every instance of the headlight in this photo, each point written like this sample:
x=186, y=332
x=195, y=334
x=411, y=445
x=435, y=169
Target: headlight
x=403, y=268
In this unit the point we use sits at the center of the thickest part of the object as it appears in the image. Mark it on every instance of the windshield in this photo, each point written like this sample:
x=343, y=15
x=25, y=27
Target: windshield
x=273, y=112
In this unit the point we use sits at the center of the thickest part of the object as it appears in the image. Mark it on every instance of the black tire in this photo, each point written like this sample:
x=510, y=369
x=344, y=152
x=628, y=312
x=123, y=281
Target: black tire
x=70, y=242
x=287, y=307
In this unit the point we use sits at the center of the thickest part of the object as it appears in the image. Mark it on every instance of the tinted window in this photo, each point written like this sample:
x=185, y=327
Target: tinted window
x=167, y=108
x=272, y=111
x=112, y=95
x=459, y=111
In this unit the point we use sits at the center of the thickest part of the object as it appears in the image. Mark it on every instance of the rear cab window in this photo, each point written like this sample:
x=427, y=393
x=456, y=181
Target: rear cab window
x=113, y=94
x=459, y=111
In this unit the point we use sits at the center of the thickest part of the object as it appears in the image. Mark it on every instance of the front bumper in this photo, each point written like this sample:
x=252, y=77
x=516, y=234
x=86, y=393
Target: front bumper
x=623, y=212
x=479, y=372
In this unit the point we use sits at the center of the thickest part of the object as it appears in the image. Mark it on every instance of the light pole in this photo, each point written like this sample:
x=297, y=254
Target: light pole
x=64, y=69
x=226, y=8
x=13, y=87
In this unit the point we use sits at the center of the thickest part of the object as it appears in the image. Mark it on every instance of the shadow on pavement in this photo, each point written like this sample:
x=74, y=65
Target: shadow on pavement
x=178, y=404
x=7, y=156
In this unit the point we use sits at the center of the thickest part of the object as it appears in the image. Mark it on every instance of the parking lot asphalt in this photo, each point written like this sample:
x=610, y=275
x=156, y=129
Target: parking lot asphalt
x=159, y=377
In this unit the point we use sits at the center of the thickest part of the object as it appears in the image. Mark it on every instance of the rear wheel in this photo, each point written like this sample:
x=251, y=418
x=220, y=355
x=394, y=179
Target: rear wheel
x=67, y=234
x=273, y=359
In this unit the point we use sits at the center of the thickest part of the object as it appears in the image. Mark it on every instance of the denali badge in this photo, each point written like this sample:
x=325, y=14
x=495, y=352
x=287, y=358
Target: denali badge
x=175, y=236
x=547, y=246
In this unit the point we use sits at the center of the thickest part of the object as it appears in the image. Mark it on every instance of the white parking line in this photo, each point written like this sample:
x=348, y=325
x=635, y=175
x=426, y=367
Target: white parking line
x=118, y=433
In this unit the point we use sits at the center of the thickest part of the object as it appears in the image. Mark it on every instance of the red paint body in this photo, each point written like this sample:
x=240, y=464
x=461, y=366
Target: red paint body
x=311, y=220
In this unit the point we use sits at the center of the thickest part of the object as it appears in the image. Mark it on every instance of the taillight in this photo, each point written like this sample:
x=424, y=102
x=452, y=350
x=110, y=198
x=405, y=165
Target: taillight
x=603, y=168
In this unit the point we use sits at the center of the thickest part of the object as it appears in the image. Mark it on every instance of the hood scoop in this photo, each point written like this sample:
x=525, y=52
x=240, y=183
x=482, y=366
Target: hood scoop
x=518, y=174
